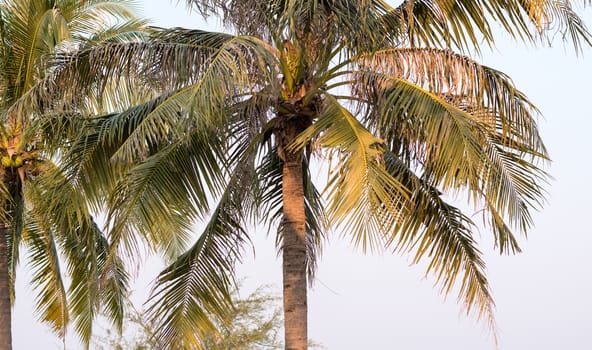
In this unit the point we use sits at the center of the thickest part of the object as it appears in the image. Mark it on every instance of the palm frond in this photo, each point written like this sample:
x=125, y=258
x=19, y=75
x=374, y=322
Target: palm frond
x=464, y=24
x=423, y=127
x=360, y=193
x=445, y=23
x=446, y=138
x=197, y=285
x=185, y=170
x=463, y=146
x=130, y=30
x=52, y=301
x=481, y=90
x=87, y=158
x=512, y=186
x=34, y=30
x=164, y=193
x=442, y=234
x=99, y=282
x=59, y=210
x=559, y=17
x=93, y=141
x=198, y=59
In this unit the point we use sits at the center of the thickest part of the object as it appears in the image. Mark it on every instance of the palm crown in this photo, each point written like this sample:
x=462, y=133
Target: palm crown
x=237, y=119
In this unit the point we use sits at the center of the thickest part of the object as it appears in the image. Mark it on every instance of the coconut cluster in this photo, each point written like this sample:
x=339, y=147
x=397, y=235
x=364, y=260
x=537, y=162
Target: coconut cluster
x=14, y=161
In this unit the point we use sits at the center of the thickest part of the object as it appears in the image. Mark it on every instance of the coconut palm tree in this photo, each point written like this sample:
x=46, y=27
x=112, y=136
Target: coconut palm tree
x=41, y=210
x=372, y=90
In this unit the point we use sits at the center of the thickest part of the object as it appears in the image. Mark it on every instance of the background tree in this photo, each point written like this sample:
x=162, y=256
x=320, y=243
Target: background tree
x=375, y=89
x=40, y=209
x=254, y=323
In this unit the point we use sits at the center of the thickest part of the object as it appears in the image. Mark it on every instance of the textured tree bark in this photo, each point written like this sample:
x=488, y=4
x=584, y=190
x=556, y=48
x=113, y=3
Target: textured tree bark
x=5, y=307
x=294, y=245
x=11, y=181
x=294, y=257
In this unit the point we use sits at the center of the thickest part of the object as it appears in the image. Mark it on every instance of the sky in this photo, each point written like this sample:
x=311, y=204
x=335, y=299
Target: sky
x=383, y=302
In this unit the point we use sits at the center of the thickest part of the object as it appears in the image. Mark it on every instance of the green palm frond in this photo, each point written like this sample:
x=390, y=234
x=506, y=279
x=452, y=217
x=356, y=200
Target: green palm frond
x=59, y=214
x=30, y=39
x=195, y=64
x=269, y=175
x=52, y=301
x=105, y=12
x=443, y=138
x=248, y=135
x=443, y=235
x=99, y=282
x=107, y=19
x=131, y=30
x=87, y=161
x=197, y=285
x=488, y=93
x=140, y=128
x=446, y=138
x=113, y=280
x=35, y=29
x=355, y=25
x=165, y=192
x=490, y=153
x=361, y=194
x=92, y=142
x=113, y=142
x=464, y=24
x=511, y=188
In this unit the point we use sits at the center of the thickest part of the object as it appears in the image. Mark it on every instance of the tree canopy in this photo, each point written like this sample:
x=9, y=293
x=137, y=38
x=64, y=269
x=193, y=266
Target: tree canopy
x=387, y=95
x=44, y=216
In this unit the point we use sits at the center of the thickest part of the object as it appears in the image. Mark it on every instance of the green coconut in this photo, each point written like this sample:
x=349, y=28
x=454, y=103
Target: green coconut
x=18, y=161
x=6, y=161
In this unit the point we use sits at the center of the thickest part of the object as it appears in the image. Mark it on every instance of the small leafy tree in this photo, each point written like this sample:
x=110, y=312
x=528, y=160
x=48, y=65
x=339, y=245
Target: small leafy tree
x=253, y=324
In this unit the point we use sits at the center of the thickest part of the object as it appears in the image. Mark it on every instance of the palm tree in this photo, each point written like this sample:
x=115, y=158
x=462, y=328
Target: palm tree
x=40, y=208
x=374, y=91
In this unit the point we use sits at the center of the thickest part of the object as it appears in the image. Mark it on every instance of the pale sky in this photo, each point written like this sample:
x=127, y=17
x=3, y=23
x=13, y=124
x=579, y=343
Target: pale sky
x=543, y=295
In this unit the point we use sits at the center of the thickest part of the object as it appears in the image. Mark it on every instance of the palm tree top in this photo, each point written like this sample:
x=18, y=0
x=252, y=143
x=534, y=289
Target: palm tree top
x=375, y=88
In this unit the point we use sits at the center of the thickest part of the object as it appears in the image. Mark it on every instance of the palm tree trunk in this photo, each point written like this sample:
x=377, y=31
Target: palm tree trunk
x=10, y=180
x=294, y=245
x=294, y=257
x=5, y=307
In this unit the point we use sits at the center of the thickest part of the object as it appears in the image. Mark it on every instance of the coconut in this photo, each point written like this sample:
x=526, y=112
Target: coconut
x=18, y=161
x=6, y=162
